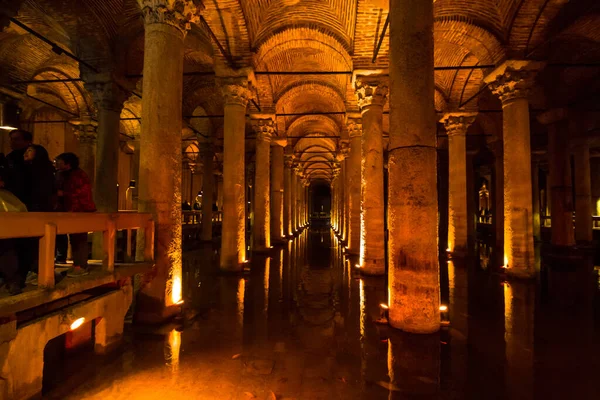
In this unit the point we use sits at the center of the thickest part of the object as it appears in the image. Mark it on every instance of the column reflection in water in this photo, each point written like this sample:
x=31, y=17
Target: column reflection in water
x=315, y=326
x=414, y=365
x=371, y=294
x=459, y=329
x=232, y=294
x=172, y=349
x=256, y=303
x=519, y=310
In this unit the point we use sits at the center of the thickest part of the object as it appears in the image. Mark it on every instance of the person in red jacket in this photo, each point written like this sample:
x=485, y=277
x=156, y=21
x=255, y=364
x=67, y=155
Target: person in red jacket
x=75, y=195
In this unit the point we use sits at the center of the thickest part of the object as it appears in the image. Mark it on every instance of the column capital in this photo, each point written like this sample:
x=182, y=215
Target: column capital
x=458, y=123
x=279, y=142
x=513, y=79
x=288, y=160
x=264, y=126
x=236, y=90
x=371, y=88
x=85, y=129
x=107, y=95
x=354, y=126
x=177, y=13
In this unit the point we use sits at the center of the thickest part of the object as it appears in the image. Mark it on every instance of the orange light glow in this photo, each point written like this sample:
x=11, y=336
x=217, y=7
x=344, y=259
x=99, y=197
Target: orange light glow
x=176, y=290
x=77, y=323
x=384, y=306
x=443, y=308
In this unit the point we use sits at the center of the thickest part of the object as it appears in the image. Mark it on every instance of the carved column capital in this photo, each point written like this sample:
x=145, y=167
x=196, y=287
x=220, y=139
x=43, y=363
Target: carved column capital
x=371, y=90
x=288, y=160
x=236, y=91
x=457, y=124
x=107, y=95
x=85, y=129
x=513, y=79
x=354, y=127
x=264, y=127
x=177, y=13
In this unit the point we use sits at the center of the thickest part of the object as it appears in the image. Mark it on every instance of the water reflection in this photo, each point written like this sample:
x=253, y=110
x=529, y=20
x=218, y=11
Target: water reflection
x=301, y=323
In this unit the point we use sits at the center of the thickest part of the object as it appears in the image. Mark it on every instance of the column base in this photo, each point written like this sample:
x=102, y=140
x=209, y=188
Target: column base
x=458, y=253
x=150, y=316
x=373, y=267
x=519, y=273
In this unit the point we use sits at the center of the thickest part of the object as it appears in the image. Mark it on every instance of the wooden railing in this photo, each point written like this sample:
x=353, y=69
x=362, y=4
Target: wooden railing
x=47, y=225
x=546, y=221
x=195, y=217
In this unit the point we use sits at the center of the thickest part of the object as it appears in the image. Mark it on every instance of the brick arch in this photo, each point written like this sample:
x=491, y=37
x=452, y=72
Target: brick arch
x=268, y=17
x=71, y=96
x=485, y=14
x=530, y=24
x=483, y=44
x=330, y=96
x=315, y=125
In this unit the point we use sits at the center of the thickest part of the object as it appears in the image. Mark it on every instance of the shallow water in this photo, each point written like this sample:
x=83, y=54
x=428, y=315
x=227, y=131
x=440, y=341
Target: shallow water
x=301, y=325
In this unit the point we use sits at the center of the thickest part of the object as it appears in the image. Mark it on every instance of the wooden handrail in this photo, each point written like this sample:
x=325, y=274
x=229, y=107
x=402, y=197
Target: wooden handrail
x=47, y=225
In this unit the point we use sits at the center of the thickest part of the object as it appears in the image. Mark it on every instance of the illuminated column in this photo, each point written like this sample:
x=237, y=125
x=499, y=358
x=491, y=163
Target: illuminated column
x=583, y=190
x=109, y=99
x=208, y=187
x=412, y=166
x=160, y=151
x=346, y=201
x=277, y=189
x=535, y=183
x=233, y=237
x=511, y=83
x=264, y=129
x=563, y=233
x=371, y=91
x=288, y=160
x=85, y=130
x=457, y=125
x=299, y=200
x=353, y=163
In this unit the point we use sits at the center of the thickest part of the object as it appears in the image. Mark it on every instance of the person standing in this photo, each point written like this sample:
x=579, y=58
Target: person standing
x=15, y=182
x=76, y=196
x=39, y=192
x=9, y=262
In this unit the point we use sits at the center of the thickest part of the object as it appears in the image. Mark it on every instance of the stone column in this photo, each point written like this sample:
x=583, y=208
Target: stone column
x=219, y=179
x=287, y=194
x=563, y=233
x=109, y=99
x=511, y=83
x=85, y=130
x=160, y=139
x=277, y=186
x=412, y=167
x=294, y=198
x=264, y=128
x=583, y=190
x=233, y=237
x=353, y=164
x=371, y=92
x=346, y=153
x=497, y=196
x=457, y=125
x=208, y=188
x=535, y=183
x=298, y=203
x=334, y=196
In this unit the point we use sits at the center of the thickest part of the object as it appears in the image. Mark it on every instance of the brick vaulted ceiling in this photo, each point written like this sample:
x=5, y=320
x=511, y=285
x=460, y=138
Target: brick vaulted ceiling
x=292, y=35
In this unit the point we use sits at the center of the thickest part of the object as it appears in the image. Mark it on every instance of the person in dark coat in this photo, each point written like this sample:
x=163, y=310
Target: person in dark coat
x=15, y=182
x=39, y=192
x=9, y=261
x=76, y=196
